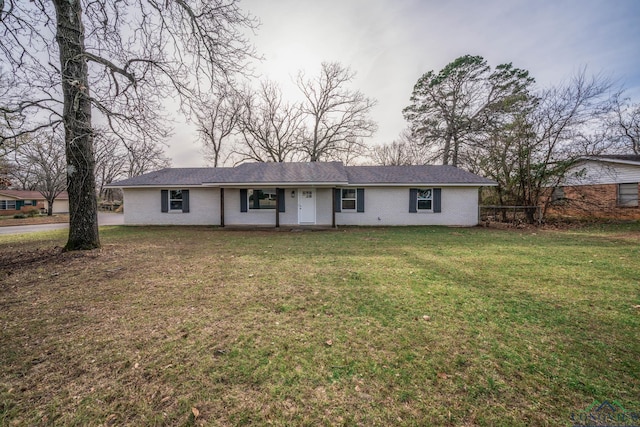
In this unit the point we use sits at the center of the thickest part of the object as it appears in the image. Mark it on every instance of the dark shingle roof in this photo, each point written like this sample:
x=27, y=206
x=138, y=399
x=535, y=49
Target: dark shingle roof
x=31, y=195
x=174, y=176
x=330, y=173
x=429, y=174
x=297, y=172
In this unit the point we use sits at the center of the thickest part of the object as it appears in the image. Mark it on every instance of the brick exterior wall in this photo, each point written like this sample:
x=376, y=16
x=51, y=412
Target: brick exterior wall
x=22, y=210
x=592, y=201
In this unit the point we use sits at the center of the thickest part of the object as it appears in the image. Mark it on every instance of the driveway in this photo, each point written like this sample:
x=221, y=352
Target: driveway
x=104, y=218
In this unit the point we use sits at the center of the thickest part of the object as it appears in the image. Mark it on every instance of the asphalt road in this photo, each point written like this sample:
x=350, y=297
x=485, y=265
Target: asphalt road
x=104, y=218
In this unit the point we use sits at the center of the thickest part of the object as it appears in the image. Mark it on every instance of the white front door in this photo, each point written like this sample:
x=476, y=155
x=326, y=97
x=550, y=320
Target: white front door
x=306, y=206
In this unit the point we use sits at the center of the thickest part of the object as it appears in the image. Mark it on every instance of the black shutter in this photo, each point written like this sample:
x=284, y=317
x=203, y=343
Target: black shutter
x=185, y=201
x=413, y=200
x=243, y=200
x=437, y=200
x=337, y=198
x=280, y=199
x=360, y=200
x=164, y=200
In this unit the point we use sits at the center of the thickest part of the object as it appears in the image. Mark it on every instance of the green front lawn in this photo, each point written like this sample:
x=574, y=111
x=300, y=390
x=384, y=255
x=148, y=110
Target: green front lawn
x=388, y=326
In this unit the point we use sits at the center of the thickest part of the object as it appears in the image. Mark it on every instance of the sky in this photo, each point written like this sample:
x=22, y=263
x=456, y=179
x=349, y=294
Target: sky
x=389, y=44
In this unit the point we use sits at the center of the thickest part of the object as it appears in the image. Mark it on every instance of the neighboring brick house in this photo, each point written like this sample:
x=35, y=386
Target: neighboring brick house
x=19, y=201
x=600, y=187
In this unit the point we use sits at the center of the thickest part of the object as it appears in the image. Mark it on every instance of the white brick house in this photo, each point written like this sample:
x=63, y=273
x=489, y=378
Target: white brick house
x=299, y=194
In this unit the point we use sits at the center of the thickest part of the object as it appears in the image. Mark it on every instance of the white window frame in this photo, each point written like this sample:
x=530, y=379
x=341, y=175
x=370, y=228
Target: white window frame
x=269, y=207
x=429, y=199
x=353, y=199
x=6, y=205
x=627, y=199
x=173, y=199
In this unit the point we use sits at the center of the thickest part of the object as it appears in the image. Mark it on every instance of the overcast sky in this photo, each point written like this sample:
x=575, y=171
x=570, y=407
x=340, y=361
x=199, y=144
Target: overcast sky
x=391, y=43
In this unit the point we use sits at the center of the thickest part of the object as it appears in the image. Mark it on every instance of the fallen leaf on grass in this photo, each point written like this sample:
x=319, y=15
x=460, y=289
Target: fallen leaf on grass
x=442, y=375
x=195, y=412
x=329, y=342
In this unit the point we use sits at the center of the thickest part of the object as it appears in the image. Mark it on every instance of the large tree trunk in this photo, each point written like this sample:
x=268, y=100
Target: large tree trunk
x=83, y=206
x=446, y=152
x=530, y=214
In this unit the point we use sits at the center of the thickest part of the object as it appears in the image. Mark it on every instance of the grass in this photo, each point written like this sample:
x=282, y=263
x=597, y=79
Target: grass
x=385, y=326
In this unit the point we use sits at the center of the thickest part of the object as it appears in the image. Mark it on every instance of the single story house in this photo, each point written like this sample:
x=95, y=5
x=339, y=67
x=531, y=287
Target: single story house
x=303, y=194
x=600, y=186
x=19, y=201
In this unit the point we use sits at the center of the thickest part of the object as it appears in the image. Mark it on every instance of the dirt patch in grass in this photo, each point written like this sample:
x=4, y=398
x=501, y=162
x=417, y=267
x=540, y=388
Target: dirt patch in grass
x=396, y=326
x=14, y=260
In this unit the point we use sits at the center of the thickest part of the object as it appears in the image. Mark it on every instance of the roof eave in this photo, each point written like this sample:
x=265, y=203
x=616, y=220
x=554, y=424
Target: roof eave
x=307, y=184
x=608, y=160
x=425, y=184
x=275, y=184
x=153, y=186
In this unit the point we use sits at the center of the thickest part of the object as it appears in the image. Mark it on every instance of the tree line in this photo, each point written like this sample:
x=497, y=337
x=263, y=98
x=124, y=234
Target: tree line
x=492, y=121
x=37, y=162
x=332, y=122
x=497, y=123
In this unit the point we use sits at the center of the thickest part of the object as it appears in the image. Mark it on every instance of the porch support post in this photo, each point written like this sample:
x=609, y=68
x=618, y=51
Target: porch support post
x=333, y=207
x=221, y=207
x=277, y=208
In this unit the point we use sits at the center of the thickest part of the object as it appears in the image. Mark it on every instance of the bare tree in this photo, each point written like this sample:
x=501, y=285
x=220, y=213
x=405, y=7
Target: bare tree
x=111, y=162
x=70, y=60
x=5, y=173
x=217, y=122
x=116, y=159
x=533, y=150
x=143, y=156
x=269, y=127
x=43, y=156
x=8, y=121
x=499, y=157
x=22, y=175
x=337, y=118
x=625, y=125
x=405, y=150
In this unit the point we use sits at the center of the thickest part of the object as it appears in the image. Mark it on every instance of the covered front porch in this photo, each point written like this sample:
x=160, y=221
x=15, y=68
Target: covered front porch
x=283, y=206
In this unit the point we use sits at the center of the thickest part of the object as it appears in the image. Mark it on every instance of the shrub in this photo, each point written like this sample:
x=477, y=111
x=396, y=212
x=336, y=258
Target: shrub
x=19, y=216
x=33, y=212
